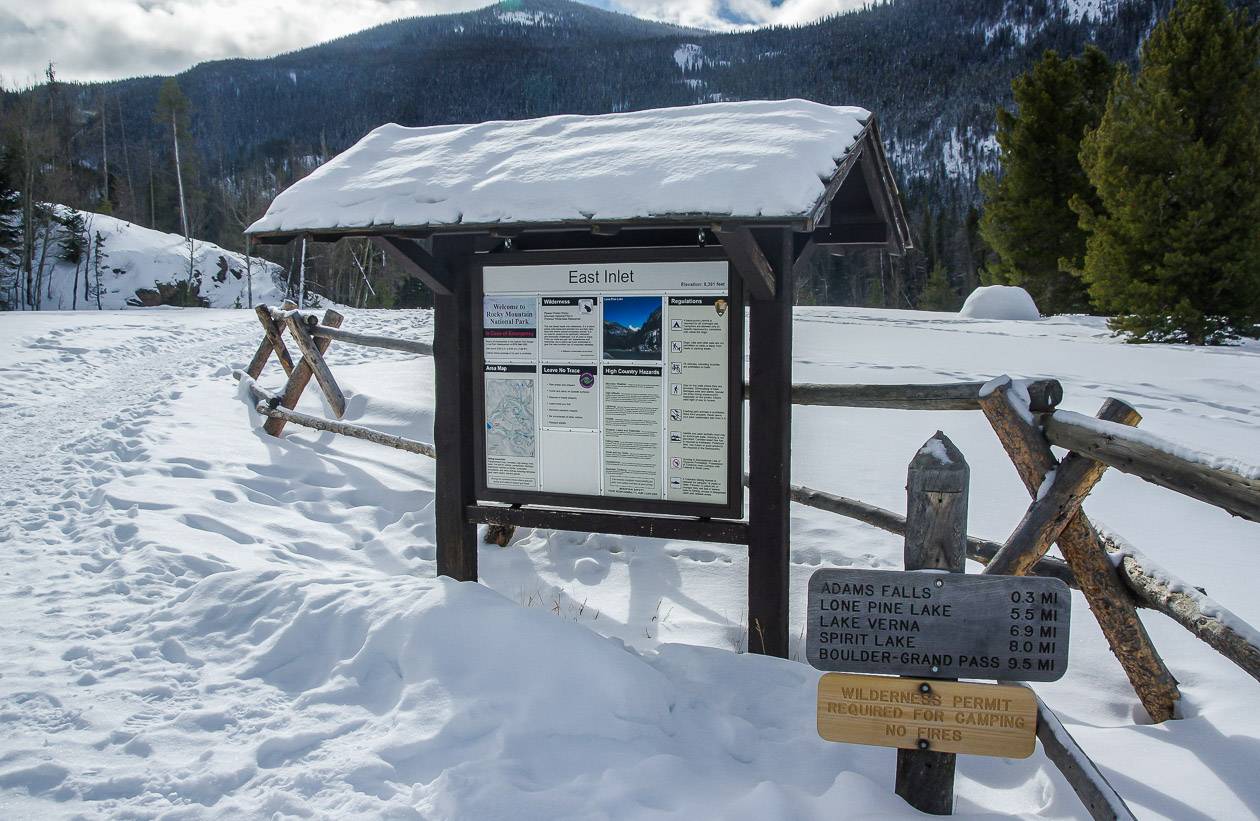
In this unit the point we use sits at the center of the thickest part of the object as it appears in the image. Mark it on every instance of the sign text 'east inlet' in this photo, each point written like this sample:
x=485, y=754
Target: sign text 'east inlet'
x=946, y=625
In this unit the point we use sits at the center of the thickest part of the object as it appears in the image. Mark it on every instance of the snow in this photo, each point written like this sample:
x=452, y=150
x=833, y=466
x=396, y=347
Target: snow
x=766, y=159
x=1000, y=302
x=138, y=258
x=936, y=449
x=202, y=621
x=526, y=18
x=1096, y=10
x=689, y=56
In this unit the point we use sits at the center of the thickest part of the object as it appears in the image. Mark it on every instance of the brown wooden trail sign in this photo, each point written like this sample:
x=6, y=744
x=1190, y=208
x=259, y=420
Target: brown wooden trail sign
x=921, y=714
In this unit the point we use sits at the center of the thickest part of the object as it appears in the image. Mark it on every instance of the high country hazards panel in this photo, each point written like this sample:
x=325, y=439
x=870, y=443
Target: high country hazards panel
x=608, y=379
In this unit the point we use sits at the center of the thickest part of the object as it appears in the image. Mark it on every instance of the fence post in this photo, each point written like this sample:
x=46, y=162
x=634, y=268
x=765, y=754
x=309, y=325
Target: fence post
x=936, y=539
x=301, y=375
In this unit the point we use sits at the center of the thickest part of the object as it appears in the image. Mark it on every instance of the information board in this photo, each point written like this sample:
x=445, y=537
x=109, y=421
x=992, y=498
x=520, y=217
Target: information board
x=916, y=714
x=611, y=381
x=950, y=625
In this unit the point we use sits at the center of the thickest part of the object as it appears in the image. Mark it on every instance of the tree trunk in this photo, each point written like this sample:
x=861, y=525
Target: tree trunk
x=301, y=300
x=179, y=176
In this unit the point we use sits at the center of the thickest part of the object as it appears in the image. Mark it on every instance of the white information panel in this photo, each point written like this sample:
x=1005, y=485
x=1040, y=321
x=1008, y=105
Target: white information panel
x=608, y=379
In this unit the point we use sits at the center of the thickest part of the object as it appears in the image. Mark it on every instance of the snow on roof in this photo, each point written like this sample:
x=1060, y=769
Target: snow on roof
x=762, y=159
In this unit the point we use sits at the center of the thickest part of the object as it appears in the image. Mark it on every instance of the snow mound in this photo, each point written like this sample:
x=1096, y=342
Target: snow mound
x=1000, y=302
x=749, y=159
x=139, y=263
x=405, y=693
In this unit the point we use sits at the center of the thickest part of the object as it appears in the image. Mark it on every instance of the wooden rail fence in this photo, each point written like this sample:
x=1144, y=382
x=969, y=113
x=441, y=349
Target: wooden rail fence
x=1114, y=577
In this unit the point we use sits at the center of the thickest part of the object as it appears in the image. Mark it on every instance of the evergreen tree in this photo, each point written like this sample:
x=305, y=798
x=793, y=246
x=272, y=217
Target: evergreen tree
x=1174, y=250
x=1028, y=220
x=74, y=246
x=938, y=294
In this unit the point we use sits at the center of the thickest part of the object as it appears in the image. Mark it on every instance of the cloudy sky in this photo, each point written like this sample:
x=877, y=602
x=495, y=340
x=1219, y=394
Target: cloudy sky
x=108, y=39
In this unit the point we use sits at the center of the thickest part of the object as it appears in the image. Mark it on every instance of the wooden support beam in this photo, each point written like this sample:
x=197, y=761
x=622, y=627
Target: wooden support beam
x=271, y=342
x=373, y=341
x=749, y=260
x=1110, y=600
x=955, y=396
x=453, y=424
x=700, y=530
x=770, y=459
x=1047, y=516
x=313, y=356
x=1100, y=798
x=268, y=404
x=1156, y=461
x=937, y=484
x=301, y=376
x=1176, y=599
x=1044, y=394
x=411, y=256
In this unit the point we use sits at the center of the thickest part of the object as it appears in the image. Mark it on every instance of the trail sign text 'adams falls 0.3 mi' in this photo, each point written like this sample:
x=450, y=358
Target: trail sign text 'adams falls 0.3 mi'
x=942, y=625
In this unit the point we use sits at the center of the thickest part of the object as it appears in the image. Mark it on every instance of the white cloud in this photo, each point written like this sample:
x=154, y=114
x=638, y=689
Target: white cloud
x=722, y=14
x=109, y=39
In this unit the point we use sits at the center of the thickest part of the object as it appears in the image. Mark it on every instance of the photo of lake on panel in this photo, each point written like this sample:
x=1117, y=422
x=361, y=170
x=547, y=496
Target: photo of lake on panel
x=632, y=327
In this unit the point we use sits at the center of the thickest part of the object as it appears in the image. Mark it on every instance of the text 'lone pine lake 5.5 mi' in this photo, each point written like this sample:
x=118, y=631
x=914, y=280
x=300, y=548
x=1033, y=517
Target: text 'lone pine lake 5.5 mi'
x=947, y=625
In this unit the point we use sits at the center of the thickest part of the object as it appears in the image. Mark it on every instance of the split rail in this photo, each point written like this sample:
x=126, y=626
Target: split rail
x=1114, y=577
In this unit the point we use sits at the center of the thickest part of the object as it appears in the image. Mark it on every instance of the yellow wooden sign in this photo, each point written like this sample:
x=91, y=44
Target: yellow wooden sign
x=923, y=714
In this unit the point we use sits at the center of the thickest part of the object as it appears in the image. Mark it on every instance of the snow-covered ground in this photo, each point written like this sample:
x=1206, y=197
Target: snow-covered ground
x=200, y=621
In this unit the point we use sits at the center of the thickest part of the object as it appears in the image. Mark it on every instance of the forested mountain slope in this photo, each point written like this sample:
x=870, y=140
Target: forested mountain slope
x=934, y=71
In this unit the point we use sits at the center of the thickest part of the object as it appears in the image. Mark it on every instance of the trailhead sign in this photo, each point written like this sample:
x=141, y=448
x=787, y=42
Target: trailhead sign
x=943, y=625
x=609, y=380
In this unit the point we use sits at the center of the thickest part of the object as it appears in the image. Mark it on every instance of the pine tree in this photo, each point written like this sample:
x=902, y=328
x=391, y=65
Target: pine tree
x=1028, y=220
x=1173, y=249
x=938, y=294
x=74, y=245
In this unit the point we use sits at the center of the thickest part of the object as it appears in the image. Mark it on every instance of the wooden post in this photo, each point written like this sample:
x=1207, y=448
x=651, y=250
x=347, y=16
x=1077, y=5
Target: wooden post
x=313, y=356
x=770, y=453
x=1108, y=596
x=301, y=376
x=453, y=429
x=1047, y=516
x=936, y=539
x=265, y=347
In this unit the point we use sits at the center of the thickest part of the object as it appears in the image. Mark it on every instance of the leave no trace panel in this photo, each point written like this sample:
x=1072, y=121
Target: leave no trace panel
x=946, y=625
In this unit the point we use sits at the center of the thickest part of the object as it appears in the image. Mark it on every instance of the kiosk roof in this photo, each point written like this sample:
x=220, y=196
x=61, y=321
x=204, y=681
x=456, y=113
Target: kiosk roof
x=755, y=161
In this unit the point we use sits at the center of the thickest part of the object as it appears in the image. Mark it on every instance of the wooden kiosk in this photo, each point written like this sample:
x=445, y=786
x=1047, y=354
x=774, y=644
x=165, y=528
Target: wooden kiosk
x=541, y=239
